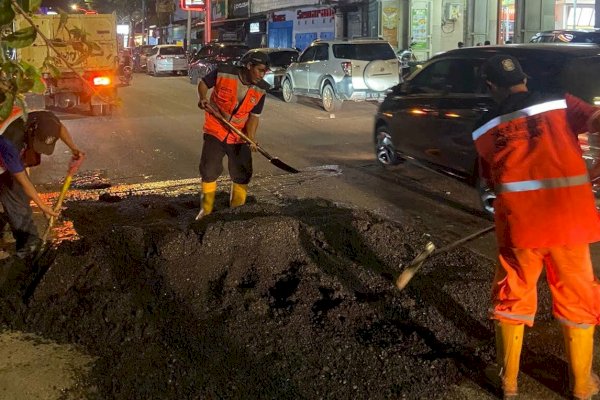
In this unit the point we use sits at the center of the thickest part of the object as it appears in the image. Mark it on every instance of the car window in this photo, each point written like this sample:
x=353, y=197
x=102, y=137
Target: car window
x=322, y=52
x=452, y=75
x=146, y=50
x=233, y=51
x=543, y=71
x=154, y=51
x=308, y=54
x=206, y=51
x=364, y=51
x=581, y=78
x=282, y=58
x=172, y=51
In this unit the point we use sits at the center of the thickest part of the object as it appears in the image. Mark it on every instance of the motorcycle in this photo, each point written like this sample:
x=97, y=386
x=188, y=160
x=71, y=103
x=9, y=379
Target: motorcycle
x=407, y=60
x=126, y=75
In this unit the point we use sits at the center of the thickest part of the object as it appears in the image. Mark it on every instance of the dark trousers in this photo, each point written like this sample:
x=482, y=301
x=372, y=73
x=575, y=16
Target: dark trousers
x=239, y=160
x=17, y=211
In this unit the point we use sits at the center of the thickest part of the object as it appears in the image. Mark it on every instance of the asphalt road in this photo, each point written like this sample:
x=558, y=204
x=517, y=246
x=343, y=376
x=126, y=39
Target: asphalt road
x=155, y=137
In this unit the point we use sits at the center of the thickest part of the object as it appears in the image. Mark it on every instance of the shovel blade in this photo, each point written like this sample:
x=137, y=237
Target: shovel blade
x=281, y=165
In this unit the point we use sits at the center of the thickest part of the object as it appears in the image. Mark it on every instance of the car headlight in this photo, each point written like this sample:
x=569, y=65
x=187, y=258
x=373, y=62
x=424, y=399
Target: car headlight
x=597, y=101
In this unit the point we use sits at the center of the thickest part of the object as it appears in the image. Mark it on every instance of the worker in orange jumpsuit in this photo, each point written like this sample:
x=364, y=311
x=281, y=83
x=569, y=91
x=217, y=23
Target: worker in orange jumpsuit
x=239, y=96
x=545, y=214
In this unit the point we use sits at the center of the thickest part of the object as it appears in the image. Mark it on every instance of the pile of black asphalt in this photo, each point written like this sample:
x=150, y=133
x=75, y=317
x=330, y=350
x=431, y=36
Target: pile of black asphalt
x=289, y=300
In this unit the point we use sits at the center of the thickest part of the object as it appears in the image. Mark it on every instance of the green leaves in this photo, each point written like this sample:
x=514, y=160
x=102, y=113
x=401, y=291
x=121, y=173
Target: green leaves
x=6, y=12
x=6, y=105
x=21, y=38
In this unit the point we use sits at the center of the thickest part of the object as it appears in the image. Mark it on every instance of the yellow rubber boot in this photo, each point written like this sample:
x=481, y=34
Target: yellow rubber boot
x=579, y=346
x=238, y=195
x=209, y=190
x=509, y=341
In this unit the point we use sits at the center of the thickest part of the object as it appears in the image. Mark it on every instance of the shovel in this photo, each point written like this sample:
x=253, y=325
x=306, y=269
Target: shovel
x=273, y=160
x=429, y=252
x=74, y=165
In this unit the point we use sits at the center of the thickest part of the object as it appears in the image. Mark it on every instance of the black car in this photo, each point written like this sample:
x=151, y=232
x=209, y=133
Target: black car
x=279, y=60
x=430, y=117
x=567, y=36
x=213, y=54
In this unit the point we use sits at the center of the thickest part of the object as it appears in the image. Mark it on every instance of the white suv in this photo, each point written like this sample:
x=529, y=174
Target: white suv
x=338, y=70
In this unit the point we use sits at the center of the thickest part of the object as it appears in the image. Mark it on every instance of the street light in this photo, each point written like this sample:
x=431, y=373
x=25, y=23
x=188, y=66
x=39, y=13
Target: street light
x=77, y=7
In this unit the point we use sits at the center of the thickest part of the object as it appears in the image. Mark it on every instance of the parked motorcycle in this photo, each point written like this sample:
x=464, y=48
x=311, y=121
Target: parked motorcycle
x=126, y=75
x=407, y=60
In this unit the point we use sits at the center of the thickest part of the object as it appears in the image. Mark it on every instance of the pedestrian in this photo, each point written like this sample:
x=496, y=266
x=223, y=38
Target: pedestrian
x=239, y=96
x=460, y=45
x=38, y=135
x=545, y=215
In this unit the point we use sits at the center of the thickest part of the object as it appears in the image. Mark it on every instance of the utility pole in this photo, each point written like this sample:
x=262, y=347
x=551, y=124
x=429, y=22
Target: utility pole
x=144, y=22
x=189, y=32
x=207, y=21
x=597, y=25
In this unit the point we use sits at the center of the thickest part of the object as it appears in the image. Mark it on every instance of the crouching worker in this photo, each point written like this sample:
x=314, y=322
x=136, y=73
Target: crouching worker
x=38, y=135
x=545, y=215
x=15, y=192
x=239, y=96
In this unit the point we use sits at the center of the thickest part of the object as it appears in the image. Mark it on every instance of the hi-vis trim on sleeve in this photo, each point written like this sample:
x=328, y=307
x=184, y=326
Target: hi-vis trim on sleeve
x=550, y=183
x=15, y=115
x=526, y=112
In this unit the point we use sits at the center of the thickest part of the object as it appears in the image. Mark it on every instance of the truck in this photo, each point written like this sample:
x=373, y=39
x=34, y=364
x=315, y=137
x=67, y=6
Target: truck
x=89, y=43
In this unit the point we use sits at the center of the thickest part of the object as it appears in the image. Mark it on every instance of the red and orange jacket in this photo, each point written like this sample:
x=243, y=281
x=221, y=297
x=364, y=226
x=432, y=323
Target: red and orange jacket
x=224, y=98
x=533, y=162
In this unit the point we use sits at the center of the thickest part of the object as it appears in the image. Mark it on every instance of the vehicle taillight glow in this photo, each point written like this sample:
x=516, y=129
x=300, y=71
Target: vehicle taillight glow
x=101, y=81
x=347, y=68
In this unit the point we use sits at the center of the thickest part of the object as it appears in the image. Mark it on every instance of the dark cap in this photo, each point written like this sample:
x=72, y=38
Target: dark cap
x=503, y=70
x=255, y=57
x=45, y=128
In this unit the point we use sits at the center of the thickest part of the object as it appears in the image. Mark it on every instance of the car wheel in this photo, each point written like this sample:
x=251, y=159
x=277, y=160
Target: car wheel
x=288, y=92
x=330, y=102
x=384, y=148
x=486, y=196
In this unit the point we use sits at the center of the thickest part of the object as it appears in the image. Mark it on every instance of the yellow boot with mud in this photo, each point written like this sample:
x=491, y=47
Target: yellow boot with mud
x=209, y=190
x=509, y=342
x=238, y=195
x=579, y=346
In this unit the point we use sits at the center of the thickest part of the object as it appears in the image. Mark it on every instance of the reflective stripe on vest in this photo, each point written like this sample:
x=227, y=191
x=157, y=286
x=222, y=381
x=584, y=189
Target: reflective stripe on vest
x=16, y=113
x=550, y=183
x=526, y=112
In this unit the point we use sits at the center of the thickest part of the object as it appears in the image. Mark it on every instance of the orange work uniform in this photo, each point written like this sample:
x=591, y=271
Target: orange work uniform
x=545, y=210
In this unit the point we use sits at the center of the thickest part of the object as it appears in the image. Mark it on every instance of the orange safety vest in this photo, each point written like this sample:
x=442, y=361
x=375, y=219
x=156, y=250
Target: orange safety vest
x=544, y=196
x=224, y=99
x=16, y=113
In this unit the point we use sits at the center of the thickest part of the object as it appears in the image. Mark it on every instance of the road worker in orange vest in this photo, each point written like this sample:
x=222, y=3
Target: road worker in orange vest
x=239, y=96
x=545, y=215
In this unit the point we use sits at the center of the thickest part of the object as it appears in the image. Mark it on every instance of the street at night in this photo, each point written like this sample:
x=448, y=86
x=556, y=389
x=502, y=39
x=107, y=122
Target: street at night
x=294, y=291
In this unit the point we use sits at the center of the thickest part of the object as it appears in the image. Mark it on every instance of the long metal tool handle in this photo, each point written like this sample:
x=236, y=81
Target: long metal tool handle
x=463, y=240
x=274, y=160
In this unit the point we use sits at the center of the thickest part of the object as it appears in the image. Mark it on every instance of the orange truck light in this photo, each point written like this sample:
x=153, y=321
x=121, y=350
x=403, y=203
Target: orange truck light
x=102, y=81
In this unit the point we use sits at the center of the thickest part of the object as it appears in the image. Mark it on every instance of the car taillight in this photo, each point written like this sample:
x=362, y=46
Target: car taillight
x=347, y=68
x=101, y=81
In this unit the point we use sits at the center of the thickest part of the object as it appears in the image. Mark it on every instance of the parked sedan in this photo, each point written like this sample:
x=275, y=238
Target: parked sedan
x=430, y=117
x=166, y=58
x=279, y=60
x=567, y=36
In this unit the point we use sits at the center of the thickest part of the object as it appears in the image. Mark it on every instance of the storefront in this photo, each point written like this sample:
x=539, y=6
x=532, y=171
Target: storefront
x=299, y=27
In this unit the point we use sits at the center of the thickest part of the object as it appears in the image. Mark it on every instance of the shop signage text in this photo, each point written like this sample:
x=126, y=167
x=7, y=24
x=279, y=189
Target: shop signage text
x=324, y=12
